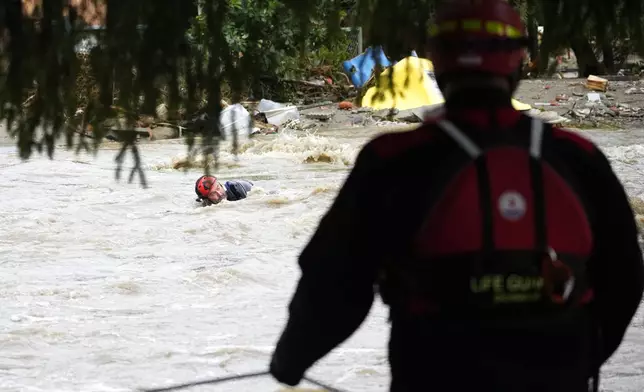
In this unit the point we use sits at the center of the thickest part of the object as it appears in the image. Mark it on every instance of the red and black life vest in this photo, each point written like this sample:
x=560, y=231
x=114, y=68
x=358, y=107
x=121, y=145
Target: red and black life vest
x=505, y=235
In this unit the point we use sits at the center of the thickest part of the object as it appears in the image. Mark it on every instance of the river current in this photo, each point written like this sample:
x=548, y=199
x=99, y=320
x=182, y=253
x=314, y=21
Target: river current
x=110, y=287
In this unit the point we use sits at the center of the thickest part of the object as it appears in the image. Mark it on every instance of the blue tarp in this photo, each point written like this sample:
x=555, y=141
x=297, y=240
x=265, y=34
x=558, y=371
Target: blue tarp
x=360, y=68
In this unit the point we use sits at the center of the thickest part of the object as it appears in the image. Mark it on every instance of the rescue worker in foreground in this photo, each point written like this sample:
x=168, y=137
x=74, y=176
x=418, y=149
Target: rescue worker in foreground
x=514, y=267
x=210, y=191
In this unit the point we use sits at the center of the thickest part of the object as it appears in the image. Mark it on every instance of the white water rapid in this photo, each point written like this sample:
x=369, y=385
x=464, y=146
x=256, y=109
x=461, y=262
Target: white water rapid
x=106, y=286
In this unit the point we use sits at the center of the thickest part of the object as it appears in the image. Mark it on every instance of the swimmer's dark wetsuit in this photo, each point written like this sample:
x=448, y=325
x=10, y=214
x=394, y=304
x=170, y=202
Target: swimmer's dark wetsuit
x=235, y=190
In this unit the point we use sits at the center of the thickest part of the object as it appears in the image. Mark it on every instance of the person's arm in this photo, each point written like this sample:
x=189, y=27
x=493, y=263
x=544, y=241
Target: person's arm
x=237, y=189
x=616, y=268
x=336, y=289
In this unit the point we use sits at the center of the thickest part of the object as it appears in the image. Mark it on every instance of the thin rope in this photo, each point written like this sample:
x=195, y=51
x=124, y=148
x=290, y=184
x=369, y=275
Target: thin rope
x=217, y=380
x=244, y=376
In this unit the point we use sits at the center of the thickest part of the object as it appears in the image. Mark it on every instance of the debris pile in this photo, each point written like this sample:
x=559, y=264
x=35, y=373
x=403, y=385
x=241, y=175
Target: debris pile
x=389, y=93
x=592, y=103
x=584, y=103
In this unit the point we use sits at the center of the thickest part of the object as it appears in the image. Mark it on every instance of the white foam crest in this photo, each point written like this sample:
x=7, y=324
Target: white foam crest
x=184, y=159
x=291, y=145
x=625, y=154
x=305, y=148
x=628, y=163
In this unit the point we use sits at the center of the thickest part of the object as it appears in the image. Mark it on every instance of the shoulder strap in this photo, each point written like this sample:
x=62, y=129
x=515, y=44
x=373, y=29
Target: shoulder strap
x=459, y=137
x=485, y=194
x=536, y=138
x=538, y=192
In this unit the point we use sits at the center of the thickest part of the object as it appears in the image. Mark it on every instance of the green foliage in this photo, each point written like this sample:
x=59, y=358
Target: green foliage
x=150, y=51
x=594, y=29
x=269, y=42
x=154, y=51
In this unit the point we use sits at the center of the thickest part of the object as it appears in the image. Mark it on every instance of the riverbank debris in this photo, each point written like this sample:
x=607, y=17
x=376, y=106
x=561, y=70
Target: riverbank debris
x=596, y=83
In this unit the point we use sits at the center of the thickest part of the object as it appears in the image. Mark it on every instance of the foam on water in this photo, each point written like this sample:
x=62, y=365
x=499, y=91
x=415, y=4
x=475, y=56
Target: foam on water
x=628, y=161
x=303, y=149
x=108, y=287
x=286, y=146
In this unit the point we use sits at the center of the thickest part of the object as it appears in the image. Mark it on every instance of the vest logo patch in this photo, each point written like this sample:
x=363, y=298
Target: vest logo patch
x=512, y=205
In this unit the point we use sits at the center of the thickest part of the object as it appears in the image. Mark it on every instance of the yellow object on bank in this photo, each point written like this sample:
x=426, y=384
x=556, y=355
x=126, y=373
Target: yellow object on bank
x=412, y=87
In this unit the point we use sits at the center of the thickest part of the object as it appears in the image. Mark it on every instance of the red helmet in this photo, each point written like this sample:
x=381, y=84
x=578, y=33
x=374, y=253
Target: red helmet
x=203, y=186
x=478, y=36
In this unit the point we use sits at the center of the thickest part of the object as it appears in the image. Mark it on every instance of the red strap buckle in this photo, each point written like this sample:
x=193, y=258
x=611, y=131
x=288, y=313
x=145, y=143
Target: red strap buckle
x=558, y=278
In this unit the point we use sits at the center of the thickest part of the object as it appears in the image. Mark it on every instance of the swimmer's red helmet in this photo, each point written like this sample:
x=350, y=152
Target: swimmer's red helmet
x=203, y=186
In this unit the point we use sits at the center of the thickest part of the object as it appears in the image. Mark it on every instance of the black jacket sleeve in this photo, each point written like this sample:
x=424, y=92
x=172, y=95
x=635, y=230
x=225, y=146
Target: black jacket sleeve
x=616, y=267
x=237, y=189
x=336, y=288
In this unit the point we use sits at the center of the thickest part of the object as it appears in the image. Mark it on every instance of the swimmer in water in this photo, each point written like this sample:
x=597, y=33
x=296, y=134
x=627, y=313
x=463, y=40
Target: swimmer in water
x=210, y=191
